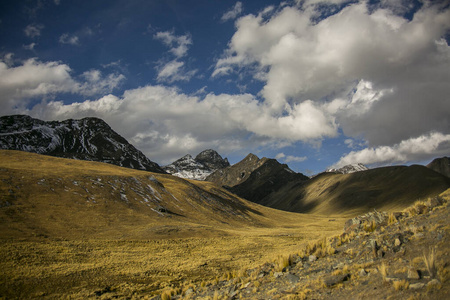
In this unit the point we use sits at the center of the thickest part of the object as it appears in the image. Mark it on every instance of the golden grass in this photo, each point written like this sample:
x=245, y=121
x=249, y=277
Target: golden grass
x=383, y=271
x=429, y=259
x=401, y=285
x=70, y=232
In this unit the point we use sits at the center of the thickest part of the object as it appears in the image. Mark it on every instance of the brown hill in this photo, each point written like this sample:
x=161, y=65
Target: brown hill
x=56, y=197
x=441, y=165
x=384, y=188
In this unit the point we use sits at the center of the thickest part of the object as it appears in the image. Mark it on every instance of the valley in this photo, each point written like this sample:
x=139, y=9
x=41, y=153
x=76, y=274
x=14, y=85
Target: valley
x=72, y=228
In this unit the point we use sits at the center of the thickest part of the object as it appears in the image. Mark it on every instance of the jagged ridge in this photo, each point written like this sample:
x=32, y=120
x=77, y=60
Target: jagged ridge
x=86, y=139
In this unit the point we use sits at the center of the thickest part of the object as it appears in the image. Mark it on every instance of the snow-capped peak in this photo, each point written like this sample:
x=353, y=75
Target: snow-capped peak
x=352, y=168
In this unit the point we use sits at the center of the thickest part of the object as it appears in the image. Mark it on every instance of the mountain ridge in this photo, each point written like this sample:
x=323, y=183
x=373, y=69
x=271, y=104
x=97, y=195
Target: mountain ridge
x=89, y=139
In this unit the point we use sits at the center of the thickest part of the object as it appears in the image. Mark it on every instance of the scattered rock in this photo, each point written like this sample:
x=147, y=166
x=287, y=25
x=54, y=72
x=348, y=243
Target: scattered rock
x=312, y=258
x=292, y=278
x=333, y=280
x=434, y=283
x=277, y=274
x=362, y=272
x=413, y=274
x=416, y=286
x=397, y=242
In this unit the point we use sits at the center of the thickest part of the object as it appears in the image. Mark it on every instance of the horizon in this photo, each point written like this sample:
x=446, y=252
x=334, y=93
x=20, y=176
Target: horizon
x=313, y=84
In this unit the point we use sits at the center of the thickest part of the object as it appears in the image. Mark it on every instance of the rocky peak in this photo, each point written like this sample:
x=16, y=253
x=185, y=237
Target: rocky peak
x=352, y=168
x=85, y=139
x=205, y=163
x=212, y=159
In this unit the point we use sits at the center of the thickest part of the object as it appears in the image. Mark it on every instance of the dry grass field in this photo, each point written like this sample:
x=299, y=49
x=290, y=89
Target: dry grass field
x=76, y=229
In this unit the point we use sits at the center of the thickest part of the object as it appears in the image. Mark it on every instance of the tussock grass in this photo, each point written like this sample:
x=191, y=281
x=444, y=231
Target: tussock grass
x=383, y=271
x=429, y=258
x=401, y=285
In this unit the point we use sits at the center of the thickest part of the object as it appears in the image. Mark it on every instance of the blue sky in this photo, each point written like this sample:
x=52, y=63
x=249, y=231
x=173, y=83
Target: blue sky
x=312, y=83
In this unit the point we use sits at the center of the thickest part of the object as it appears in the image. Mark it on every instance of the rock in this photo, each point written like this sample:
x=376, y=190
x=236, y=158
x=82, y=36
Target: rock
x=277, y=274
x=434, y=283
x=416, y=286
x=292, y=278
x=397, y=242
x=362, y=272
x=188, y=291
x=333, y=280
x=413, y=274
x=312, y=258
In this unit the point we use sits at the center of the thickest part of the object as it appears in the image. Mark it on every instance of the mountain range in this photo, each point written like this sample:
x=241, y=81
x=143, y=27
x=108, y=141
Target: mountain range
x=263, y=181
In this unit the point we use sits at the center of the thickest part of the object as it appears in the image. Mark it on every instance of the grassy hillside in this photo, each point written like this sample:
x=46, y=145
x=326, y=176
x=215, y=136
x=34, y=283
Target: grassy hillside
x=79, y=229
x=388, y=188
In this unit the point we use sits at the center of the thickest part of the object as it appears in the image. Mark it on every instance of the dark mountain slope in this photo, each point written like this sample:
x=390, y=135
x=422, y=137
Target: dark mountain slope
x=237, y=173
x=381, y=188
x=268, y=178
x=441, y=165
x=86, y=139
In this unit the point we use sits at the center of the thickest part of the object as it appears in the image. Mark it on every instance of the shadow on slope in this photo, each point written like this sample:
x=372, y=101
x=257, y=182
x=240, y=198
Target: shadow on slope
x=384, y=188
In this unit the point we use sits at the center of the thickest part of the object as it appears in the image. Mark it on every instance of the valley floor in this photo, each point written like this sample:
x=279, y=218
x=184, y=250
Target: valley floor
x=48, y=268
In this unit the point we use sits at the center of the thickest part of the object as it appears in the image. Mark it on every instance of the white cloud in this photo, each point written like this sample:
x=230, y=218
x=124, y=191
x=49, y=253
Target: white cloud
x=34, y=79
x=373, y=73
x=424, y=147
x=69, y=39
x=174, y=71
x=290, y=158
x=33, y=30
x=233, y=12
x=179, y=45
x=29, y=46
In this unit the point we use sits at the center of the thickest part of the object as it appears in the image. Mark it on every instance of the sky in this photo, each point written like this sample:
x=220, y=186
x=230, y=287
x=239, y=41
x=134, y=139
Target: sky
x=312, y=83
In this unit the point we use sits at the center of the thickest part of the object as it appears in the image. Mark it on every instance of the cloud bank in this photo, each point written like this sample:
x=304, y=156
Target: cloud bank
x=328, y=69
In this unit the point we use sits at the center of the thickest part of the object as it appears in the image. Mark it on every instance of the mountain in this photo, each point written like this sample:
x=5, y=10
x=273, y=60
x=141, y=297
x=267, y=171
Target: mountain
x=205, y=163
x=352, y=168
x=254, y=178
x=441, y=165
x=86, y=139
x=384, y=188
x=237, y=173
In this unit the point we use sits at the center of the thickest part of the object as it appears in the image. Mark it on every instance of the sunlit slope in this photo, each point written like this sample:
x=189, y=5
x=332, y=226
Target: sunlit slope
x=385, y=188
x=45, y=196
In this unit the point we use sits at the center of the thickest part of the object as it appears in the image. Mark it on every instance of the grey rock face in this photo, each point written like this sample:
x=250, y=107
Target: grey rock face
x=86, y=139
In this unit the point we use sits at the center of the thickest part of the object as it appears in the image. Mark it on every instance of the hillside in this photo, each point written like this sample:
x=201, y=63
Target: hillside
x=441, y=165
x=54, y=197
x=86, y=139
x=384, y=188
x=80, y=229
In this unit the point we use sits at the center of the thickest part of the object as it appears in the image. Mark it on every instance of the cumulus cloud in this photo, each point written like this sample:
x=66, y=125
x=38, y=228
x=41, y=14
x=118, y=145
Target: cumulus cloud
x=233, y=12
x=31, y=79
x=174, y=71
x=424, y=147
x=178, y=44
x=364, y=69
x=33, y=30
